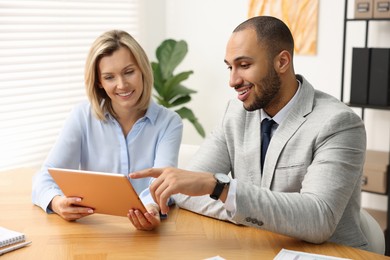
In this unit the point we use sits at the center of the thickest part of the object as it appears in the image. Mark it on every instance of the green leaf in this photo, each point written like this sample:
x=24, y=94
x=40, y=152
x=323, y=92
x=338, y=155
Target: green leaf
x=177, y=92
x=170, y=54
x=180, y=101
x=162, y=102
x=187, y=113
x=172, y=83
x=158, y=80
x=199, y=128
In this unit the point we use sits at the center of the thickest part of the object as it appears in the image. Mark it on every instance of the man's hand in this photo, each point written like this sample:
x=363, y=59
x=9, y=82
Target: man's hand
x=148, y=221
x=171, y=181
x=65, y=207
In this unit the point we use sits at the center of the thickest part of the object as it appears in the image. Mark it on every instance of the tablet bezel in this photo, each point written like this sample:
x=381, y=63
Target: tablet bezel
x=106, y=193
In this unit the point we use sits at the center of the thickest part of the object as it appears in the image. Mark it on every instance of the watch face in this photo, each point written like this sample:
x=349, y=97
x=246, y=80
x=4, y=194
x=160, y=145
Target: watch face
x=222, y=177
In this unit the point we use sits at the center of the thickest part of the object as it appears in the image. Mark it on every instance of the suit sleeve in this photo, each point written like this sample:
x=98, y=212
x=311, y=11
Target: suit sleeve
x=212, y=156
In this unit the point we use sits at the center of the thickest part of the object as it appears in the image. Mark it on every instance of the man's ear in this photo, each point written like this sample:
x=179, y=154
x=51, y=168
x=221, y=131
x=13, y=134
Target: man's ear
x=282, y=61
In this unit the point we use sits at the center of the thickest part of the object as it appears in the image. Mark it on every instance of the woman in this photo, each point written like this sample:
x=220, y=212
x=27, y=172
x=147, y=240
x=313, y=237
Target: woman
x=120, y=130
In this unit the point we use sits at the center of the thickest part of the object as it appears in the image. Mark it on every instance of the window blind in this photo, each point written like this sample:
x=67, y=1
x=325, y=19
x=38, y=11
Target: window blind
x=43, y=47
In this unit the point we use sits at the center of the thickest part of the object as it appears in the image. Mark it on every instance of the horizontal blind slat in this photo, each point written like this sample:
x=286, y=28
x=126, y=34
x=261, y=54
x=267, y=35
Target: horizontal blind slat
x=68, y=4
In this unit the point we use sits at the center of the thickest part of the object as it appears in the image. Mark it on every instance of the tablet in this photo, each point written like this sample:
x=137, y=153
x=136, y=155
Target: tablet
x=106, y=193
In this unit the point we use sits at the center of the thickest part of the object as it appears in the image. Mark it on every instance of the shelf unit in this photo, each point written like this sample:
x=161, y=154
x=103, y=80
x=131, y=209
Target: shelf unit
x=363, y=107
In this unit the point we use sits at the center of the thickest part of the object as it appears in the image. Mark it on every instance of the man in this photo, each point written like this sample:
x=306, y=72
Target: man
x=309, y=184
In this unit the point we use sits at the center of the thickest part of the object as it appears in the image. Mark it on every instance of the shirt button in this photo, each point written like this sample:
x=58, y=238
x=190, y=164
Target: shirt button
x=248, y=219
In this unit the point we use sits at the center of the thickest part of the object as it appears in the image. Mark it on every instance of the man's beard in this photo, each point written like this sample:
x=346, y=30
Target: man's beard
x=270, y=86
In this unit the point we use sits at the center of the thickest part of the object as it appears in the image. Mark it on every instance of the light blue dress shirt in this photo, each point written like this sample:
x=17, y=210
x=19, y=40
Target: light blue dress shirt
x=87, y=143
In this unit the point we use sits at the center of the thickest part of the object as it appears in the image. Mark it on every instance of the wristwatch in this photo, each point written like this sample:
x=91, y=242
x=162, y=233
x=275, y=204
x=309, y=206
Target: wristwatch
x=222, y=180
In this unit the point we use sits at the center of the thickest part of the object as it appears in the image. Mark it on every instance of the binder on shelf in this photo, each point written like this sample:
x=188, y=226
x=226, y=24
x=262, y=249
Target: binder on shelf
x=360, y=76
x=379, y=88
x=363, y=9
x=381, y=9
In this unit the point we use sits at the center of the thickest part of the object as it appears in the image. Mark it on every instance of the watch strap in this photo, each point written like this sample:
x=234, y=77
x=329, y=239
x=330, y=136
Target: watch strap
x=217, y=190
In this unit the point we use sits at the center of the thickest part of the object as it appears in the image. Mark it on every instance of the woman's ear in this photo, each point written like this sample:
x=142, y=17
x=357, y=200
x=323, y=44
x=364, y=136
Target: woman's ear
x=282, y=61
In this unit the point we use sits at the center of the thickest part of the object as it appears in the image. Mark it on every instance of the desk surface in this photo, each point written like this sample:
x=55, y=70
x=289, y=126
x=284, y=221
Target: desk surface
x=184, y=235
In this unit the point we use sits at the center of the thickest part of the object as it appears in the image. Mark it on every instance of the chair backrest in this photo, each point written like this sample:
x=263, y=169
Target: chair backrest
x=185, y=154
x=373, y=233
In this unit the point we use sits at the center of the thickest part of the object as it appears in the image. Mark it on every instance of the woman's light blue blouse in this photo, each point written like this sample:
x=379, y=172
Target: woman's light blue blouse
x=87, y=143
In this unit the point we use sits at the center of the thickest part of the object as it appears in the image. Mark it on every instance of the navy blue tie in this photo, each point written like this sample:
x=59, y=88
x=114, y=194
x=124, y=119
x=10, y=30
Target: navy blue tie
x=266, y=126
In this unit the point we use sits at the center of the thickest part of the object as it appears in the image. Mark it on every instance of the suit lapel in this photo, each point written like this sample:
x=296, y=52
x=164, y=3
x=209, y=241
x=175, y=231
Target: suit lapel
x=289, y=126
x=252, y=146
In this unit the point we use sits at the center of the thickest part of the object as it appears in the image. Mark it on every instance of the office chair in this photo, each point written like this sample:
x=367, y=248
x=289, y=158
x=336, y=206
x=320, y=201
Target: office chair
x=373, y=232
x=185, y=154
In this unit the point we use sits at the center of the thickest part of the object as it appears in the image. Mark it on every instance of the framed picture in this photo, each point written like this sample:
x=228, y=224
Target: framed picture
x=301, y=16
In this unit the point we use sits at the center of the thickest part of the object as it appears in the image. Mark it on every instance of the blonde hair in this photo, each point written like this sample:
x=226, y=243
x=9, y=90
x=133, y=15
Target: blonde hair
x=105, y=45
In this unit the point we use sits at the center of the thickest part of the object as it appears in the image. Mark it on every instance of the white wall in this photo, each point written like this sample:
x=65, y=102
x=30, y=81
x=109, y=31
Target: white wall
x=207, y=25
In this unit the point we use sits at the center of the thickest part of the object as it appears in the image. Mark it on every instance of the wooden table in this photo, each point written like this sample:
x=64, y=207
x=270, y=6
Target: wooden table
x=184, y=235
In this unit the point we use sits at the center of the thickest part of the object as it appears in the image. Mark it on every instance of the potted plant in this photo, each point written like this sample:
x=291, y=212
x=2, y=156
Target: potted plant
x=169, y=90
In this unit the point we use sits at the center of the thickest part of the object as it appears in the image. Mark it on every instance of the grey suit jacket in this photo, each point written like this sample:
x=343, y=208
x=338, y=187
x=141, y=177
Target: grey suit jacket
x=310, y=185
